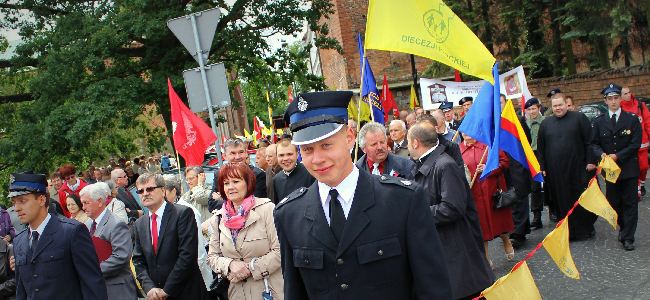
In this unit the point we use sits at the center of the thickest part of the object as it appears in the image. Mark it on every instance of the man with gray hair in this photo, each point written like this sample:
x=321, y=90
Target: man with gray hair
x=397, y=131
x=133, y=209
x=377, y=159
x=198, y=194
x=453, y=211
x=107, y=230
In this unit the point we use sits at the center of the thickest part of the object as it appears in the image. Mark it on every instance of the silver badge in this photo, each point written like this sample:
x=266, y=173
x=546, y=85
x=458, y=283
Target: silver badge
x=12, y=179
x=302, y=104
x=406, y=182
x=383, y=177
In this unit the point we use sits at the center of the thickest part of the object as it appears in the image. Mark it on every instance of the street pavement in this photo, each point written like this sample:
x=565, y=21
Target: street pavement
x=606, y=270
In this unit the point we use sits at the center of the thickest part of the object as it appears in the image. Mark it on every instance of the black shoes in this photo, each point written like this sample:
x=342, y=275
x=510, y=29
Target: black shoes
x=537, y=221
x=628, y=245
x=517, y=242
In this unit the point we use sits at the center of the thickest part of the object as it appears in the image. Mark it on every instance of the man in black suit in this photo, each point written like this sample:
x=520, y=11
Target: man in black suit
x=293, y=175
x=133, y=209
x=454, y=212
x=377, y=159
x=351, y=235
x=166, y=245
x=54, y=257
x=618, y=134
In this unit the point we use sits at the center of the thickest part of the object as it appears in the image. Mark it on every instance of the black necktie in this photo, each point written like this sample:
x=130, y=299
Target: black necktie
x=613, y=120
x=337, y=217
x=31, y=249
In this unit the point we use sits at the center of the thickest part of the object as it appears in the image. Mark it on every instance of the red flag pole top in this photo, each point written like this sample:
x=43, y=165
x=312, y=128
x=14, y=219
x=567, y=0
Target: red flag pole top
x=190, y=133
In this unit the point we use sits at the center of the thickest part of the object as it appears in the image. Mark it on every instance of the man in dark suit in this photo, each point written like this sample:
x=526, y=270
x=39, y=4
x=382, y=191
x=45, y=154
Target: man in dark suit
x=166, y=245
x=397, y=130
x=618, y=134
x=54, y=257
x=115, y=266
x=351, y=235
x=293, y=175
x=133, y=209
x=377, y=159
x=454, y=213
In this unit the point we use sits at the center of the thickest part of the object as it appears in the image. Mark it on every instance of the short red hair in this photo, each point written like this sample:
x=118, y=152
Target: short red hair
x=236, y=170
x=67, y=170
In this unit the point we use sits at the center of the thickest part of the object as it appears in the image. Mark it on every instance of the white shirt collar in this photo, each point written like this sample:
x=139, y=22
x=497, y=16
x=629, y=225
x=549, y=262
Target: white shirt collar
x=346, y=188
x=289, y=172
x=75, y=186
x=40, y=227
x=429, y=151
x=159, y=212
x=617, y=112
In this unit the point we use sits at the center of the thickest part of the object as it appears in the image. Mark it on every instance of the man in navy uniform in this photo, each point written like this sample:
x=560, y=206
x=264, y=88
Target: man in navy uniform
x=351, y=235
x=618, y=134
x=447, y=109
x=54, y=257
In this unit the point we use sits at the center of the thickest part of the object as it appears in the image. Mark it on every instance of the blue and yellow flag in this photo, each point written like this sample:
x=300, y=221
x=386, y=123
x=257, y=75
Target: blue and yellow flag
x=369, y=91
x=430, y=29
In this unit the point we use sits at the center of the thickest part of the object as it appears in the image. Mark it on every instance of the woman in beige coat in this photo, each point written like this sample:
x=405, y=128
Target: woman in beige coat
x=244, y=245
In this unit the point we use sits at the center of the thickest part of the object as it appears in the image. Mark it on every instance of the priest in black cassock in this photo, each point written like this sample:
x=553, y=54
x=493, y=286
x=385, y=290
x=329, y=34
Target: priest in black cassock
x=293, y=175
x=563, y=144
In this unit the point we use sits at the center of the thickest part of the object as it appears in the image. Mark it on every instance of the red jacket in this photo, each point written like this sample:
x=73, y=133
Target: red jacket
x=65, y=190
x=633, y=106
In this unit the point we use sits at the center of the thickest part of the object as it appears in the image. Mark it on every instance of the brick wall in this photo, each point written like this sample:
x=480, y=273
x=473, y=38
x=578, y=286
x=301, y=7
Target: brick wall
x=585, y=87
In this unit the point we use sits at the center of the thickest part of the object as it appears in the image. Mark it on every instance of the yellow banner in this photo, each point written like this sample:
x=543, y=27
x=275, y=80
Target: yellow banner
x=610, y=168
x=353, y=111
x=413, y=100
x=427, y=28
x=556, y=244
x=519, y=284
x=593, y=200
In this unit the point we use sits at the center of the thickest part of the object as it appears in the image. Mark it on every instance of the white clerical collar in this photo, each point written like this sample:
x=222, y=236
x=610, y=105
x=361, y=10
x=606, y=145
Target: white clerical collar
x=429, y=151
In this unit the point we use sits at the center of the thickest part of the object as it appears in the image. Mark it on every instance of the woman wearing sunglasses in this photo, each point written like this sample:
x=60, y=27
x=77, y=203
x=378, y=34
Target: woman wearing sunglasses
x=71, y=186
x=244, y=246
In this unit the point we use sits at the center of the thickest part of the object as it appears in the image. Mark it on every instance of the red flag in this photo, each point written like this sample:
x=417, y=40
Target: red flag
x=257, y=130
x=387, y=101
x=290, y=94
x=191, y=135
x=457, y=76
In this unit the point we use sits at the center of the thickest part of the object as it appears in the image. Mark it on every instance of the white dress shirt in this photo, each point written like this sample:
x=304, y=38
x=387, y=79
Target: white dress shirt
x=618, y=113
x=159, y=215
x=345, y=189
x=39, y=229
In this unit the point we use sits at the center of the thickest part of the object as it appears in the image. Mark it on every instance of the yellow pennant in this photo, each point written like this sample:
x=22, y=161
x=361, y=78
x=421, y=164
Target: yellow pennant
x=428, y=28
x=557, y=245
x=516, y=285
x=593, y=200
x=413, y=99
x=610, y=168
x=353, y=112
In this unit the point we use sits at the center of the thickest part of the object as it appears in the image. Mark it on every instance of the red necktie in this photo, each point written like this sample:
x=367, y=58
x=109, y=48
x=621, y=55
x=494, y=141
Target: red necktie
x=154, y=232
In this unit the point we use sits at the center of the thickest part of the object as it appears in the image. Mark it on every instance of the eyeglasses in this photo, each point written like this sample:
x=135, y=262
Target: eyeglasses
x=148, y=189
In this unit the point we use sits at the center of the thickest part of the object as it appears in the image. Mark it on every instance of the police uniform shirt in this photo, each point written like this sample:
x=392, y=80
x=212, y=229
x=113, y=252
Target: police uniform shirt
x=346, y=193
x=39, y=229
x=618, y=113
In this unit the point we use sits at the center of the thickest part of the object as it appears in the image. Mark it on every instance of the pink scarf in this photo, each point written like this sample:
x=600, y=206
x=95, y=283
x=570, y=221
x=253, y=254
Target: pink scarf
x=235, y=220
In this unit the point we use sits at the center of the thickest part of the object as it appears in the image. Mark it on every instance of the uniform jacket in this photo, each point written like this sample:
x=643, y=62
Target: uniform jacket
x=456, y=219
x=389, y=248
x=258, y=239
x=117, y=269
x=624, y=141
x=174, y=267
x=403, y=149
x=393, y=164
x=63, y=264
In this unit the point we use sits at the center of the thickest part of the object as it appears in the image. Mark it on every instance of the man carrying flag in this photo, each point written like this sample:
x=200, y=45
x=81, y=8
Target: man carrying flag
x=191, y=135
x=617, y=134
x=369, y=92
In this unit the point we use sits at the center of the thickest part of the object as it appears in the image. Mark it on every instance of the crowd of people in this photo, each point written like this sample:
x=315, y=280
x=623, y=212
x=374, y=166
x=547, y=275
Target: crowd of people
x=336, y=210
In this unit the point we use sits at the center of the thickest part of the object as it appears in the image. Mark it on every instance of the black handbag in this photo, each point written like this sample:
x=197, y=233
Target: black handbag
x=502, y=199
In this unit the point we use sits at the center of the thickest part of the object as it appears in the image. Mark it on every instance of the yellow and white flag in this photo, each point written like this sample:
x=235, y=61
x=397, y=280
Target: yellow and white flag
x=593, y=200
x=556, y=244
x=516, y=285
x=610, y=168
x=427, y=28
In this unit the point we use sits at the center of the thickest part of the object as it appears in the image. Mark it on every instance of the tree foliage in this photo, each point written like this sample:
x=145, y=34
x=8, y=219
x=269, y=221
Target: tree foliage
x=98, y=65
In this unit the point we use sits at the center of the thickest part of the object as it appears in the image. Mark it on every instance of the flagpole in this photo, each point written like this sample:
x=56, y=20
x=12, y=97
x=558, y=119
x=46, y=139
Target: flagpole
x=268, y=100
x=363, y=75
x=480, y=162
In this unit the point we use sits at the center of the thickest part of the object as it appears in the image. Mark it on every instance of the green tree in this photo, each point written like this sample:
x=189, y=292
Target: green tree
x=99, y=64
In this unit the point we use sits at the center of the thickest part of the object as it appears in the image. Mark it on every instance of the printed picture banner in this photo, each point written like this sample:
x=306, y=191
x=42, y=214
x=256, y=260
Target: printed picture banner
x=435, y=91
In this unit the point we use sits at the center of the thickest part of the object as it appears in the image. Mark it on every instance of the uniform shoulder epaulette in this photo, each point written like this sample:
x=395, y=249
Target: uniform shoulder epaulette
x=409, y=184
x=293, y=196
